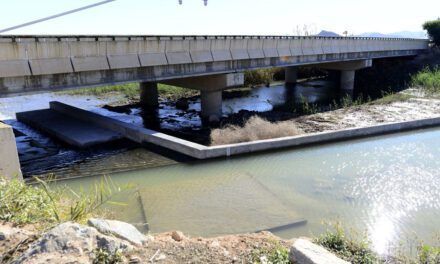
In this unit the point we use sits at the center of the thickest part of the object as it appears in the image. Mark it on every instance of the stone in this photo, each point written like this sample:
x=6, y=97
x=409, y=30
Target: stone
x=178, y=236
x=182, y=104
x=2, y=236
x=69, y=241
x=119, y=229
x=161, y=257
x=135, y=260
x=303, y=251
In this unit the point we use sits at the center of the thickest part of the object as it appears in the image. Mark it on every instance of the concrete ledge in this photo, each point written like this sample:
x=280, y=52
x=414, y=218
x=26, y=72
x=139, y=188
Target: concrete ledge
x=303, y=251
x=141, y=135
x=9, y=163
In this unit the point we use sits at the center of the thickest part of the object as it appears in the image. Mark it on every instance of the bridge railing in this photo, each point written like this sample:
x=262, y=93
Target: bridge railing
x=40, y=55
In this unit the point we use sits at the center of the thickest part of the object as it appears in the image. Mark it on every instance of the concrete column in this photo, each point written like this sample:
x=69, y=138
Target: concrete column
x=149, y=95
x=9, y=163
x=211, y=102
x=291, y=75
x=347, y=80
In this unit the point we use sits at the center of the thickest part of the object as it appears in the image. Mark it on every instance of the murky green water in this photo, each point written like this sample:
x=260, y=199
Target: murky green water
x=388, y=186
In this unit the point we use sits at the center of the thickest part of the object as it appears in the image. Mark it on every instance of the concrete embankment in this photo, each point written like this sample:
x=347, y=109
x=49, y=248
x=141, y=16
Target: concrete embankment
x=143, y=135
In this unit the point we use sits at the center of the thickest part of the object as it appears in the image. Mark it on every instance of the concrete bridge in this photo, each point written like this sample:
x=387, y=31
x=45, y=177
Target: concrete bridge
x=210, y=64
x=207, y=63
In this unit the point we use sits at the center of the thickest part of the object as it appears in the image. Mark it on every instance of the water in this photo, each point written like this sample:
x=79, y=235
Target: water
x=388, y=186
x=40, y=155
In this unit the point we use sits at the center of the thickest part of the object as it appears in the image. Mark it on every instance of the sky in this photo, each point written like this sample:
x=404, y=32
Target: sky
x=225, y=17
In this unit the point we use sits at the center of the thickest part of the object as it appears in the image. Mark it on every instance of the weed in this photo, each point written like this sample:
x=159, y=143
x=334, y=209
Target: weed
x=255, y=128
x=428, y=254
x=103, y=256
x=277, y=254
x=428, y=79
x=355, y=251
x=25, y=204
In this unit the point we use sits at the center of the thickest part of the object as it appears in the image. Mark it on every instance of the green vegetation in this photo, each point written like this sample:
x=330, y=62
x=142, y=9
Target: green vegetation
x=389, y=98
x=355, y=251
x=40, y=204
x=358, y=250
x=173, y=92
x=428, y=79
x=433, y=28
x=260, y=76
x=103, y=256
x=131, y=91
x=428, y=254
x=276, y=254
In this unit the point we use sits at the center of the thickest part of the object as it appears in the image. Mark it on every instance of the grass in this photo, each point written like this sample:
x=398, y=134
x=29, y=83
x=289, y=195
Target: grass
x=357, y=250
x=391, y=98
x=255, y=128
x=277, y=254
x=131, y=91
x=428, y=79
x=43, y=205
x=354, y=251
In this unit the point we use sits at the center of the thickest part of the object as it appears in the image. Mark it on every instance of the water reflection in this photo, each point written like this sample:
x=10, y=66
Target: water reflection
x=388, y=185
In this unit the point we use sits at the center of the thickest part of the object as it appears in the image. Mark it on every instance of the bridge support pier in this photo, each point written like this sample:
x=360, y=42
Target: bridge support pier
x=211, y=103
x=210, y=87
x=347, y=81
x=9, y=163
x=291, y=75
x=348, y=69
x=149, y=95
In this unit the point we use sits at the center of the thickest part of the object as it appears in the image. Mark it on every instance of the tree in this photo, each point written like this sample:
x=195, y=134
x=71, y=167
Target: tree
x=433, y=28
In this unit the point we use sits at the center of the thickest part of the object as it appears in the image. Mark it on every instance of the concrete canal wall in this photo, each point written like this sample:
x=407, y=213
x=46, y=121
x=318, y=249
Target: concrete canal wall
x=9, y=164
x=143, y=135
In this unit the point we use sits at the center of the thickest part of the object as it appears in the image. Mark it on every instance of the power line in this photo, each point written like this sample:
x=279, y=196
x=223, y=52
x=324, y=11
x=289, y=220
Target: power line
x=55, y=16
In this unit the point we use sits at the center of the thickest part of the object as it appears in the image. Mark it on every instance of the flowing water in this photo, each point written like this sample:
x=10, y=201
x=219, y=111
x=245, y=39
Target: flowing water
x=387, y=185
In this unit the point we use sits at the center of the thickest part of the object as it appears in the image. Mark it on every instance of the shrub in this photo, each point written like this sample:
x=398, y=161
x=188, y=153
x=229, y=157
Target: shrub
x=355, y=251
x=21, y=203
x=260, y=76
x=428, y=254
x=277, y=254
x=428, y=79
x=255, y=128
x=103, y=256
x=433, y=28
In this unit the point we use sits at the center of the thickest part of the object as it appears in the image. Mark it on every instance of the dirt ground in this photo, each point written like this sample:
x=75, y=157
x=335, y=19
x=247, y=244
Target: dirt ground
x=418, y=106
x=410, y=104
x=225, y=249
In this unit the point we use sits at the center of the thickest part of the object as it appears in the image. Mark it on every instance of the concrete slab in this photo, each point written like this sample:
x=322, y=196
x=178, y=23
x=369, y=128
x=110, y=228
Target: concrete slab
x=68, y=129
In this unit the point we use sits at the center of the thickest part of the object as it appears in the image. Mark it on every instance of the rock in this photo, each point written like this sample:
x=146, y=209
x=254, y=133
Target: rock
x=182, y=104
x=161, y=257
x=178, y=236
x=69, y=241
x=303, y=251
x=135, y=260
x=2, y=236
x=119, y=229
